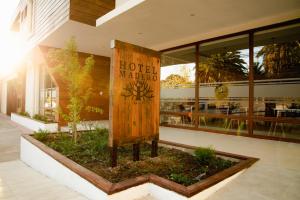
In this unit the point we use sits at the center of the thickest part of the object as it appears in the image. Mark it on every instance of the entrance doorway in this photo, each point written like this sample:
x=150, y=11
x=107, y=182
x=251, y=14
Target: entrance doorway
x=15, y=95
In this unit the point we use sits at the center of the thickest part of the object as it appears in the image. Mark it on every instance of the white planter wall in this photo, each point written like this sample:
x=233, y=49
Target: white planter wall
x=33, y=124
x=42, y=162
x=45, y=164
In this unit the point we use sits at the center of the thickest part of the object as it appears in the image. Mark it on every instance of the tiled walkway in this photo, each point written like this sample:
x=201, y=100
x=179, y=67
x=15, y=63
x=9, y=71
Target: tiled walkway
x=20, y=182
x=9, y=139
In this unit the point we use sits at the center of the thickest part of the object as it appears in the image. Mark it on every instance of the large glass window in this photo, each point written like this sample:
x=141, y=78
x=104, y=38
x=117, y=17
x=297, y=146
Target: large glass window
x=223, y=89
x=277, y=82
x=222, y=103
x=177, y=103
x=48, y=96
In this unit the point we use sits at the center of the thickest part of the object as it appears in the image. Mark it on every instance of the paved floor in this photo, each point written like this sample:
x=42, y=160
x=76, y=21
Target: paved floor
x=17, y=180
x=275, y=176
x=9, y=139
x=20, y=182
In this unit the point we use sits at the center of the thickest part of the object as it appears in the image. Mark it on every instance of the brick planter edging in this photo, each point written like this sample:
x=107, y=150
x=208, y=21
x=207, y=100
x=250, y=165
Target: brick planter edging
x=111, y=188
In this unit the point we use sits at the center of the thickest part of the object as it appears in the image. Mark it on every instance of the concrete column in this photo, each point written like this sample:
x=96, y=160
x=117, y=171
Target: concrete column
x=3, y=96
x=32, y=90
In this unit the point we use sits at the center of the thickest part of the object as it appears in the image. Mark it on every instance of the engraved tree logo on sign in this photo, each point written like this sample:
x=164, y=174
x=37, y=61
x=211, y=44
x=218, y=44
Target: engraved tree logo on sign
x=138, y=91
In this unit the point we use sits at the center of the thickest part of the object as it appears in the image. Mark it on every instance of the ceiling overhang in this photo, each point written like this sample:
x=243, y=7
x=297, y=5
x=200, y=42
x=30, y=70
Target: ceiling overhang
x=161, y=24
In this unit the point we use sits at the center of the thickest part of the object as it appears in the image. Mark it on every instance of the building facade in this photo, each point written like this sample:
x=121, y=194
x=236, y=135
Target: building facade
x=230, y=67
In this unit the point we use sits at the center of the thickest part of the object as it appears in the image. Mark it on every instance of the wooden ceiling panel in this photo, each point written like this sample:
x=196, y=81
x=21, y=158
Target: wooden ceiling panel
x=88, y=11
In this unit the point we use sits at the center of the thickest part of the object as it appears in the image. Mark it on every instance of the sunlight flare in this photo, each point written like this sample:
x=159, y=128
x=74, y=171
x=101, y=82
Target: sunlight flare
x=12, y=51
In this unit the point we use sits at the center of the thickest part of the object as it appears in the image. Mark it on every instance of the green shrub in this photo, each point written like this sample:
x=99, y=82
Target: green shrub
x=205, y=155
x=221, y=164
x=92, y=143
x=41, y=135
x=26, y=114
x=40, y=117
x=89, y=147
x=181, y=179
x=65, y=145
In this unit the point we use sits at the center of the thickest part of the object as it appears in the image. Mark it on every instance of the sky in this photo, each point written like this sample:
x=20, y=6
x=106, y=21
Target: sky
x=10, y=43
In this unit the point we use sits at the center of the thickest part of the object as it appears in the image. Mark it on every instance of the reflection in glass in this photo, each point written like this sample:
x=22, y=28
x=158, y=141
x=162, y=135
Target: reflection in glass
x=177, y=86
x=48, y=97
x=223, y=77
x=182, y=119
x=277, y=80
x=277, y=129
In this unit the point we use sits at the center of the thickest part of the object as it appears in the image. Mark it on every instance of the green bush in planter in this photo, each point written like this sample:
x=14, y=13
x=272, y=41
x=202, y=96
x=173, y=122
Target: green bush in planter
x=205, y=155
x=26, y=114
x=41, y=135
x=40, y=118
x=181, y=179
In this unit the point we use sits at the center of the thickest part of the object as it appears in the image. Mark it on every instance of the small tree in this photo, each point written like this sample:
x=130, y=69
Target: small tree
x=175, y=80
x=77, y=79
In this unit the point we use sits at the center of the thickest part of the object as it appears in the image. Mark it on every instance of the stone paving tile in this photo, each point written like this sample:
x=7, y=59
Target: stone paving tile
x=9, y=139
x=20, y=182
x=148, y=197
x=17, y=180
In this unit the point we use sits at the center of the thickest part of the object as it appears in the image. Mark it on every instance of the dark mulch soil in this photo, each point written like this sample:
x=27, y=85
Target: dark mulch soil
x=92, y=152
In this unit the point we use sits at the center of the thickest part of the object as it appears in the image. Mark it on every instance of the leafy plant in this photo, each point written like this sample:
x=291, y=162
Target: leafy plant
x=93, y=143
x=181, y=179
x=221, y=164
x=41, y=118
x=205, y=155
x=26, y=114
x=41, y=135
x=224, y=66
x=175, y=80
x=77, y=79
x=65, y=145
x=281, y=60
x=89, y=147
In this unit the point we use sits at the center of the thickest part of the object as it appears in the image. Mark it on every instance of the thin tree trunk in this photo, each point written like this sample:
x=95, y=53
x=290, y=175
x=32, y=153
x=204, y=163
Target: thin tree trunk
x=74, y=131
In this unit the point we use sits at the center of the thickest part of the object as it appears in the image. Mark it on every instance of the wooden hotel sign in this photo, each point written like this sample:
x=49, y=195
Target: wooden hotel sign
x=134, y=94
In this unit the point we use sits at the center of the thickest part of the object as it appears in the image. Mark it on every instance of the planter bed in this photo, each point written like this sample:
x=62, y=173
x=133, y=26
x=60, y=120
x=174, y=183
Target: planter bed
x=33, y=124
x=55, y=165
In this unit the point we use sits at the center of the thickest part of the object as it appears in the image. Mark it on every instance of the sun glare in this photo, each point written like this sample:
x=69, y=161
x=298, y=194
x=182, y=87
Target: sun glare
x=12, y=50
x=11, y=44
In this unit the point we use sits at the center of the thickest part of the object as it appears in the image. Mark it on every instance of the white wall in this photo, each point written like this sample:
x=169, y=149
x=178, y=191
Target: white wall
x=34, y=124
x=32, y=89
x=44, y=17
x=3, y=96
